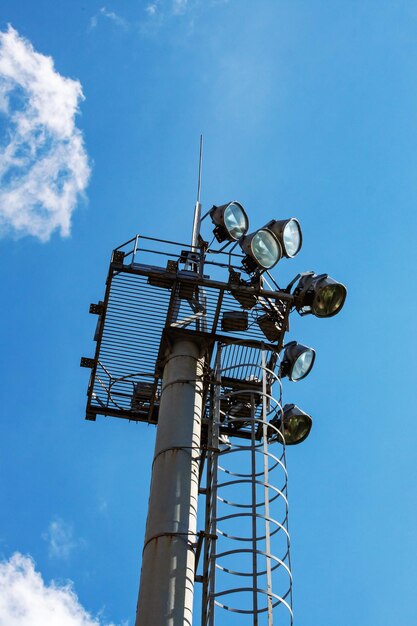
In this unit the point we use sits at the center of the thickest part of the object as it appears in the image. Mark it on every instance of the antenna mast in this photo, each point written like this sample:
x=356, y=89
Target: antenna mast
x=197, y=208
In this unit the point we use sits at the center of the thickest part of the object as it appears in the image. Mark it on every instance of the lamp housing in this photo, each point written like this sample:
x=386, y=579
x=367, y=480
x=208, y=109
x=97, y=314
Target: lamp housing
x=262, y=250
x=271, y=325
x=247, y=297
x=297, y=361
x=293, y=423
x=288, y=232
x=320, y=295
x=230, y=220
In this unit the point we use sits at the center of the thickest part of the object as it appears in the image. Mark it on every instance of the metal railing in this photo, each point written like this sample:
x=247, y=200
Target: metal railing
x=144, y=303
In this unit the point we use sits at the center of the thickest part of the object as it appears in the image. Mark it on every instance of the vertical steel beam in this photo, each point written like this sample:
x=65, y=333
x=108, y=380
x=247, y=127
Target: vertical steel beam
x=254, y=514
x=213, y=495
x=168, y=562
x=267, y=514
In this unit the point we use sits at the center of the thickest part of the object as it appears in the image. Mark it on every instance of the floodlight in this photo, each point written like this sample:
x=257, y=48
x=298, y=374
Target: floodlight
x=293, y=423
x=231, y=221
x=262, y=250
x=320, y=295
x=271, y=325
x=246, y=298
x=297, y=361
x=288, y=233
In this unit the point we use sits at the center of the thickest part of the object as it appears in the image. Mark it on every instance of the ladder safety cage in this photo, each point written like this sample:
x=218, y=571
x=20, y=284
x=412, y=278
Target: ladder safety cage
x=246, y=510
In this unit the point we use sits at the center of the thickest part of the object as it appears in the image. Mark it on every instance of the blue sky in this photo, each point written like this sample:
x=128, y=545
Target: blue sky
x=308, y=108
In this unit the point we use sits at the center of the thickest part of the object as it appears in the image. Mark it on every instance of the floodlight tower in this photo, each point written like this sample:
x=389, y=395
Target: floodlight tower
x=177, y=349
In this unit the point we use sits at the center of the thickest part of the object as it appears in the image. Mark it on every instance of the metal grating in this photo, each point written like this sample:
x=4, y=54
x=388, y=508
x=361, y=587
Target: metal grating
x=145, y=303
x=129, y=344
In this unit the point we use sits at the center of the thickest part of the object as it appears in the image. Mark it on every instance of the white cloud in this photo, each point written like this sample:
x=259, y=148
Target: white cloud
x=43, y=163
x=110, y=15
x=179, y=6
x=60, y=538
x=151, y=8
x=25, y=599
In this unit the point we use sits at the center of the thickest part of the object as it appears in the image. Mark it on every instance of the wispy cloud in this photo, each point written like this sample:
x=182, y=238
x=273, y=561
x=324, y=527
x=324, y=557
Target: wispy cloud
x=103, y=505
x=166, y=8
x=105, y=13
x=60, y=539
x=179, y=7
x=157, y=12
x=26, y=600
x=43, y=163
x=152, y=8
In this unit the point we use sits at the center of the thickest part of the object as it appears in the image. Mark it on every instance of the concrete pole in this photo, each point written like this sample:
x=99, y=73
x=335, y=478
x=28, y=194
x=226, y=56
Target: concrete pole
x=168, y=562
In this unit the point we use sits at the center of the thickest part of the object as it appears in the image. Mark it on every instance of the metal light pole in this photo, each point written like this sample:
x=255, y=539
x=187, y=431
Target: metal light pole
x=168, y=562
x=197, y=357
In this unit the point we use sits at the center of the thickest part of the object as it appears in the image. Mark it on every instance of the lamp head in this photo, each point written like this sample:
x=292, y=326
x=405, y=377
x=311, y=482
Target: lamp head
x=294, y=423
x=288, y=232
x=231, y=221
x=297, y=361
x=320, y=295
x=262, y=250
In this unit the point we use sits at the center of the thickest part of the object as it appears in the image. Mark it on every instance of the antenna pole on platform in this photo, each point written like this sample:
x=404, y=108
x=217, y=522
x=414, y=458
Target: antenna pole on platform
x=197, y=208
